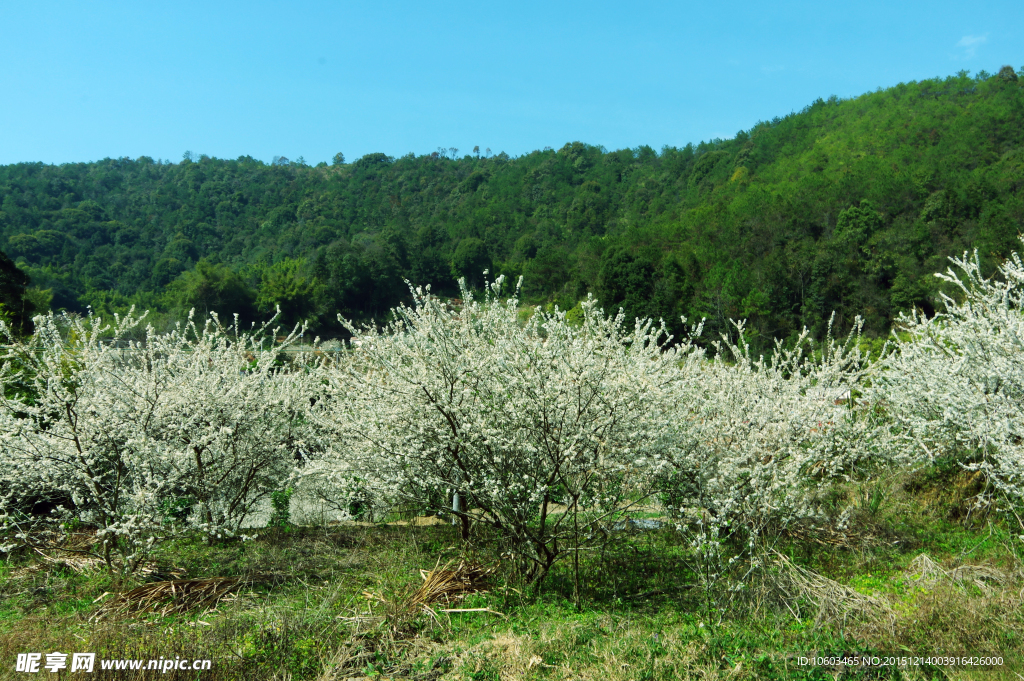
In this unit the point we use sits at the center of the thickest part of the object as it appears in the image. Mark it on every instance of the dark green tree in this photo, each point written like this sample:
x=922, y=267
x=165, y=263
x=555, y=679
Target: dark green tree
x=470, y=260
x=626, y=281
x=285, y=285
x=15, y=308
x=212, y=287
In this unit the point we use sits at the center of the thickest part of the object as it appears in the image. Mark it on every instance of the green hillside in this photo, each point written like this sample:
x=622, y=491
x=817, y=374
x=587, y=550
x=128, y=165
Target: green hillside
x=848, y=205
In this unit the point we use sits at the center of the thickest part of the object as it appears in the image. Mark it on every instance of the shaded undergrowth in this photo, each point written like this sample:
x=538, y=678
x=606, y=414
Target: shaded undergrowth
x=920, y=570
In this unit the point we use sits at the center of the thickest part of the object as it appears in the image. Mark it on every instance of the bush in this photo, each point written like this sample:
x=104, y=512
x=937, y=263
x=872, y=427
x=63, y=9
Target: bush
x=185, y=430
x=545, y=428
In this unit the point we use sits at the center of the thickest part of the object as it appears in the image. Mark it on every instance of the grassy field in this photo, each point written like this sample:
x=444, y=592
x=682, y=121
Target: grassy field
x=917, y=573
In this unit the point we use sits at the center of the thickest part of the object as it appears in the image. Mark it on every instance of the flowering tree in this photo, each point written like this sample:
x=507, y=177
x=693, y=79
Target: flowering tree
x=141, y=439
x=542, y=429
x=765, y=433
x=756, y=441
x=955, y=383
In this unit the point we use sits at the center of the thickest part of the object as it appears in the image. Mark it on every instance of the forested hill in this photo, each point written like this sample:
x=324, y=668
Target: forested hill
x=848, y=205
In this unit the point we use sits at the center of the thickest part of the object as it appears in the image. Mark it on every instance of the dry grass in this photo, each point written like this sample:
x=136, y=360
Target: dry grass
x=120, y=640
x=943, y=621
x=447, y=585
x=443, y=585
x=986, y=577
x=964, y=609
x=315, y=624
x=351, y=659
x=832, y=538
x=831, y=602
x=77, y=552
x=622, y=651
x=72, y=552
x=172, y=597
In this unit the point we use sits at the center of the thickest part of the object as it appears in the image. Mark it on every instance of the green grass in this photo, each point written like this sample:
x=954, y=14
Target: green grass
x=645, y=614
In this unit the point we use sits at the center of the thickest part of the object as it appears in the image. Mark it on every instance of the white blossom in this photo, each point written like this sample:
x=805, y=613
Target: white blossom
x=539, y=426
x=954, y=383
x=143, y=437
x=757, y=437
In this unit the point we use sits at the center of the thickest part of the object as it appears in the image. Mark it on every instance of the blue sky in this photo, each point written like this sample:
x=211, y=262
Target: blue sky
x=82, y=81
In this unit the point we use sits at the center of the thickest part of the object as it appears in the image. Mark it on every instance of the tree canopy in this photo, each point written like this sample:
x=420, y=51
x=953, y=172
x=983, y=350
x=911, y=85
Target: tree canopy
x=845, y=206
x=14, y=307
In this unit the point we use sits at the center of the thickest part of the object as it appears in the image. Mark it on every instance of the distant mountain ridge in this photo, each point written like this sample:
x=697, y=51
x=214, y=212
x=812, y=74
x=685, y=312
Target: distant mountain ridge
x=847, y=206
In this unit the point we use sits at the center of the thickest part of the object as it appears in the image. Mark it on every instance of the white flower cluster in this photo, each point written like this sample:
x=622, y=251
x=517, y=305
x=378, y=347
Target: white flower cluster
x=954, y=383
x=545, y=429
x=140, y=438
x=761, y=435
x=537, y=426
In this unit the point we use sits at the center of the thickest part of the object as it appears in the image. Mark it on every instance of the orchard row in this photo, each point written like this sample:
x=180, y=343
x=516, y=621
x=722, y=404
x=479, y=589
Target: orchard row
x=547, y=429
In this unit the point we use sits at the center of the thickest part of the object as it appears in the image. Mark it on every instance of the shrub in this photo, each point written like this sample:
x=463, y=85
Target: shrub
x=544, y=428
x=954, y=383
x=188, y=429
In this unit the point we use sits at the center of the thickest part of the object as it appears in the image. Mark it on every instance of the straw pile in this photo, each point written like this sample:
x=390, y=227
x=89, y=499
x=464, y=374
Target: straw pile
x=833, y=602
x=826, y=536
x=925, y=570
x=172, y=597
x=73, y=552
x=58, y=559
x=78, y=542
x=445, y=586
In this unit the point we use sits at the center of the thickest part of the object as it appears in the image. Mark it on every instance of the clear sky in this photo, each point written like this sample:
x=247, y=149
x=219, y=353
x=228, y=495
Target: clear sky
x=81, y=81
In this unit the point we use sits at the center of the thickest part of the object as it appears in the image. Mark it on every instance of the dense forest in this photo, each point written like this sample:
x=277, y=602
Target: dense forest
x=846, y=206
